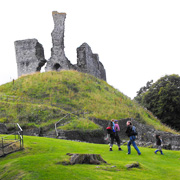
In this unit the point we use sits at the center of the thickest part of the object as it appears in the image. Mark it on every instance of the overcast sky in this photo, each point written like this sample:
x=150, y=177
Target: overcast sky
x=137, y=40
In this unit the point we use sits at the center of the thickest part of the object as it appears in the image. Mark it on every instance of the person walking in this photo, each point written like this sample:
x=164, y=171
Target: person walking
x=112, y=134
x=116, y=137
x=130, y=131
x=158, y=143
x=110, y=129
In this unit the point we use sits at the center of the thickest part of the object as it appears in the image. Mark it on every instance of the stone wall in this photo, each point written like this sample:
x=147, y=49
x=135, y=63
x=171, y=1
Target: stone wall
x=30, y=54
x=88, y=62
x=58, y=59
x=91, y=136
x=146, y=134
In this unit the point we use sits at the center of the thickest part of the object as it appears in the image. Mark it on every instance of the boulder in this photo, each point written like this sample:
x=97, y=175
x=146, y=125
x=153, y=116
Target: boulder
x=133, y=165
x=3, y=129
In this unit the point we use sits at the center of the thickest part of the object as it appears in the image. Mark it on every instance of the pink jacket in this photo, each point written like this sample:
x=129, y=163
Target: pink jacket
x=116, y=128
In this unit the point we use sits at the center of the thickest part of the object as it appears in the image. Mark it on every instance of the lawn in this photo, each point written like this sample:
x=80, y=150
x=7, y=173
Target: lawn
x=42, y=160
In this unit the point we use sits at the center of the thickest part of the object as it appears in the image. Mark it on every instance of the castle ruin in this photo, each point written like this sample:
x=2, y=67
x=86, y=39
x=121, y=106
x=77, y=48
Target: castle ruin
x=30, y=54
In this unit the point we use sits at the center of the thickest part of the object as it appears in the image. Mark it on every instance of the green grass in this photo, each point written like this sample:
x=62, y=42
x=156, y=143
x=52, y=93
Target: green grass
x=42, y=160
x=41, y=98
x=80, y=124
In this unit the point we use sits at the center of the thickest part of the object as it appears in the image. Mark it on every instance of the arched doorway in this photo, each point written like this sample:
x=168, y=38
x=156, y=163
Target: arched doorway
x=56, y=67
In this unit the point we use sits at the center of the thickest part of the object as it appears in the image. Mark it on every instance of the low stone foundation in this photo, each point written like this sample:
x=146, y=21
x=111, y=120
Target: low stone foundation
x=146, y=134
x=91, y=136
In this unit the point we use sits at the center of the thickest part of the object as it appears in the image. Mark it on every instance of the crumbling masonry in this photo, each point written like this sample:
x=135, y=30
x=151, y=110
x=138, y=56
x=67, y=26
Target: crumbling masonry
x=30, y=54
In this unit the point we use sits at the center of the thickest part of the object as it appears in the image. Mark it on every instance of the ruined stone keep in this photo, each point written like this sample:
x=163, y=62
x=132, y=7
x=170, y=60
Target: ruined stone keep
x=30, y=54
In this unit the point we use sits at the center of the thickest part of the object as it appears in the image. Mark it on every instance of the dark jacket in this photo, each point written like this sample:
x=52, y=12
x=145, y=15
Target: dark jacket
x=129, y=131
x=158, y=141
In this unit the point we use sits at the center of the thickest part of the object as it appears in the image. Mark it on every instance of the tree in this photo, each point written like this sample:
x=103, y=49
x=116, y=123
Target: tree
x=163, y=100
x=142, y=90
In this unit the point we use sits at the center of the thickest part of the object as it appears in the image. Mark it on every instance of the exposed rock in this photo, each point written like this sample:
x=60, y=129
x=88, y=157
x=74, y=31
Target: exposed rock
x=91, y=136
x=29, y=56
x=86, y=159
x=32, y=131
x=113, y=166
x=146, y=134
x=3, y=129
x=133, y=165
x=69, y=154
x=58, y=59
x=88, y=62
x=167, y=146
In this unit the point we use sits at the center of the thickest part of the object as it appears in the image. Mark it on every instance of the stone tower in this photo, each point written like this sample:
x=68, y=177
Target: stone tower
x=58, y=59
x=29, y=56
x=88, y=62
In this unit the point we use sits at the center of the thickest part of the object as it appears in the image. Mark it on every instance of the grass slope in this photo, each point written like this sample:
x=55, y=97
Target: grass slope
x=42, y=160
x=41, y=99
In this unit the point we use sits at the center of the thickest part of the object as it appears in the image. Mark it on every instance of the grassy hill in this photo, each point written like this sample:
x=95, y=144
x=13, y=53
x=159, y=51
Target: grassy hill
x=42, y=160
x=41, y=99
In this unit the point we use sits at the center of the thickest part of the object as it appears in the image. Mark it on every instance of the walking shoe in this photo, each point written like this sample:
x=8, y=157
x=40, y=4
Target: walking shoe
x=155, y=152
x=110, y=149
x=139, y=153
x=119, y=149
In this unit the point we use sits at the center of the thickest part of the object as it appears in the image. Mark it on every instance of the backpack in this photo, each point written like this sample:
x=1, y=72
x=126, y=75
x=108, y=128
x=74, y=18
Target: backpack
x=109, y=128
x=135, y=133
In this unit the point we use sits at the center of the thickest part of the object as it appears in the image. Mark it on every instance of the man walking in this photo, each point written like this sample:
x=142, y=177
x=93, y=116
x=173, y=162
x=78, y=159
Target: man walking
x=130, y=131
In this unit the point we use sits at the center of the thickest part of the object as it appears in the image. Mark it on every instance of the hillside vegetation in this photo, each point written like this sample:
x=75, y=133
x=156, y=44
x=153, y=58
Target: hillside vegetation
x=42, y=159
x=41, y=99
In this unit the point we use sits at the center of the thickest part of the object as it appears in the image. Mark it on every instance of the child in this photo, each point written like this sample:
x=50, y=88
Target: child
x=158, y=143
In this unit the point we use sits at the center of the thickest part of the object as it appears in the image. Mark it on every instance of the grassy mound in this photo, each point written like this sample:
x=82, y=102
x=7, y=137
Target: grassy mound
x=43, y=98
x=42, y=159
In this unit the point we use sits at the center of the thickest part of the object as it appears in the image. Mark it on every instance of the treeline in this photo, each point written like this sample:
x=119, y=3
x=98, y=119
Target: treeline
x=162, y=98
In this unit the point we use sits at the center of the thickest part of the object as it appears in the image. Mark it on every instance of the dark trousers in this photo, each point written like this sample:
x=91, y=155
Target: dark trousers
x=113, y=137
